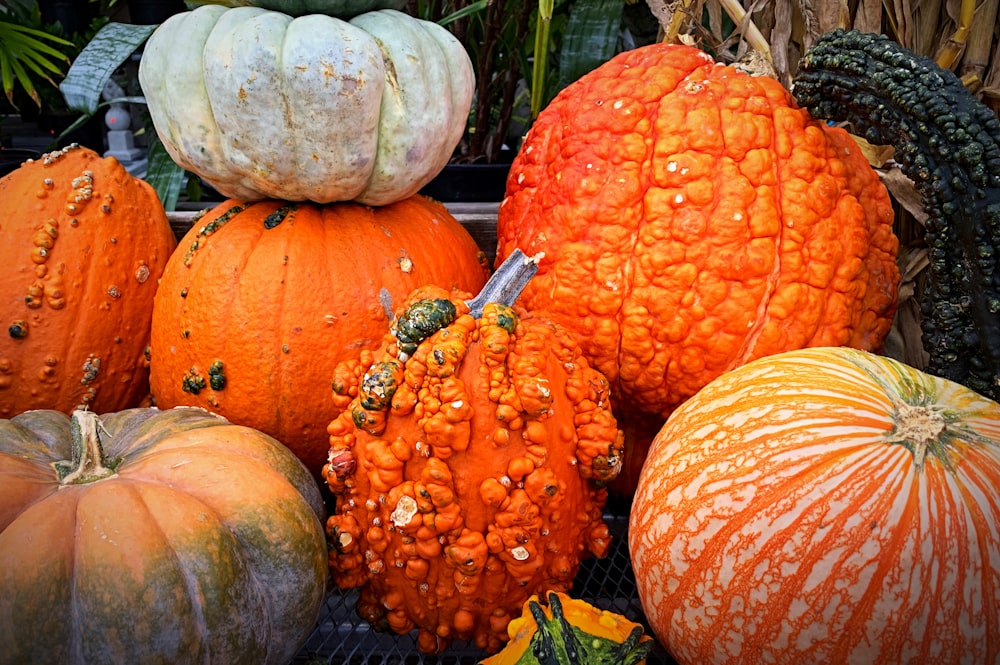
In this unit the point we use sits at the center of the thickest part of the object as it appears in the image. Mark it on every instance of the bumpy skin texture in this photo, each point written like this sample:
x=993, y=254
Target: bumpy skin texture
x=338, y=8
x=692, y=219
x=205, y=546
x=82, y=245
x=823, y=505
x=468, y=474
x=567, y=631
x=263, y=105
x=948, y=143
x=261, y=301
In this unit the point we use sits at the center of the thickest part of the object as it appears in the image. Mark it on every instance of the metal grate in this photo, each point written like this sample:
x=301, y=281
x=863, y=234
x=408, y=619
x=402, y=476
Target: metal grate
x=343, y=638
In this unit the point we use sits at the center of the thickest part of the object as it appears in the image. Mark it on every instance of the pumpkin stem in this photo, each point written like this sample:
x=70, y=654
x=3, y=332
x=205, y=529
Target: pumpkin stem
x=917, y=428
x=89, y=462
x=507, y=282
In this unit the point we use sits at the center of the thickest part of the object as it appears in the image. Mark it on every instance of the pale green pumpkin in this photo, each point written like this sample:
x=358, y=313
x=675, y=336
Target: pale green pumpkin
x=263, y=105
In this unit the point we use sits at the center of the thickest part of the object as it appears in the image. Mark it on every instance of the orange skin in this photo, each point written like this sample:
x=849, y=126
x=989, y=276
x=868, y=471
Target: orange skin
x=83, y=244
x=477, y=483
x=824, y=505
x=692, y=218
x=279, y=307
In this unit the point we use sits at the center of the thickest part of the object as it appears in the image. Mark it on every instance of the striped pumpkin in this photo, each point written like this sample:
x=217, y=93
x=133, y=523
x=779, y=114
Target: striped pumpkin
x=823, y=506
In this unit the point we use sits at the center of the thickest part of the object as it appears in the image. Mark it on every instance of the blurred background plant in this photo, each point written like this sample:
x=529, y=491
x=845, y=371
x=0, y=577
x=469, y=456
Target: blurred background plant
x=524, y=52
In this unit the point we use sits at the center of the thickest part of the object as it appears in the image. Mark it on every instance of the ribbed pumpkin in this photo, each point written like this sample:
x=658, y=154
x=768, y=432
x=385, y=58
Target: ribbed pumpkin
x=692, y=219
x=569, y=631
x=82, y=244
x=823, y=506
x=261, y=301
x=263, y=105
x=468, y=468
x=147, y=536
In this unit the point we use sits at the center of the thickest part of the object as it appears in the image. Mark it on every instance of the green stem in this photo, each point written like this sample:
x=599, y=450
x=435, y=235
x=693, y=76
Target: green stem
x=540, y=65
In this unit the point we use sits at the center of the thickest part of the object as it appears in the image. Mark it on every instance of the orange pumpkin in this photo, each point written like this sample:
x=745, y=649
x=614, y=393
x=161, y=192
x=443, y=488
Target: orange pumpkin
x=468, y=467
x=692, y=218
x=261, y=301
x=148, y=536
x=823, y=506
x=82, y=244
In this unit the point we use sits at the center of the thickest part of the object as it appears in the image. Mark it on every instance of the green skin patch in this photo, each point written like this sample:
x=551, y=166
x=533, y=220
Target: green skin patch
x=421, y=320
x=557, y=642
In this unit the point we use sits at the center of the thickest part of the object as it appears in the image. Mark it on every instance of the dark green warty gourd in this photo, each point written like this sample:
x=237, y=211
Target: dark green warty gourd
x=948, y=143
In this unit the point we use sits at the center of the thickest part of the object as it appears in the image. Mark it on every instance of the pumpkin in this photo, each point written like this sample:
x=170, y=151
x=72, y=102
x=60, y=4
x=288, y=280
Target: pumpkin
x=147, y=536
x=468, y=466
x=825, y=505
x=692, y=218
x=263, y=105
x=571, y=632
x=338, y=8
x=948, y=143
x=83, y=244
x=262, y=300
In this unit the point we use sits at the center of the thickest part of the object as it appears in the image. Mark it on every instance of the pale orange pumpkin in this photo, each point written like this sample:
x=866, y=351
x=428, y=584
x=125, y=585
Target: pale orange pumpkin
x=823, y=506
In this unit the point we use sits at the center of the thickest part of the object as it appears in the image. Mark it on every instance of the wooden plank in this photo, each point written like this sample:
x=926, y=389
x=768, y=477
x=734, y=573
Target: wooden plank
x=480, y=219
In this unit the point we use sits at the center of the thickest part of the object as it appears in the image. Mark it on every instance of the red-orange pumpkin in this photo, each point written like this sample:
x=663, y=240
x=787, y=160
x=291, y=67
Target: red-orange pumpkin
x=693, y=218
x=261, y=301
x=823, y=506
x=468, y=468
x=82, y=245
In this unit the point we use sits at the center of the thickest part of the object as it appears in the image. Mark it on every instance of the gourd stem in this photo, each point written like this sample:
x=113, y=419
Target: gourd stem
x=89, y=462
x=506, y=283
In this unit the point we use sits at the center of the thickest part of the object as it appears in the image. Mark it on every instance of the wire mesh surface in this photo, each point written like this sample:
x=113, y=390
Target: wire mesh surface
x=341, y=637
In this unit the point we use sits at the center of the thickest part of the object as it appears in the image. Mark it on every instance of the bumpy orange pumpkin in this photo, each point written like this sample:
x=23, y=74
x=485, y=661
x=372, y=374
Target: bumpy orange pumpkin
x=468, y=468
x=82, y=245
x=261, y=301
x=693, y=218
x=823, y=506
x=148, y=536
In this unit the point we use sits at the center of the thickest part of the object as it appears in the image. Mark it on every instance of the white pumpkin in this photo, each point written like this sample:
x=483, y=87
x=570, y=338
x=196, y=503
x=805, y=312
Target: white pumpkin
x=263, y=105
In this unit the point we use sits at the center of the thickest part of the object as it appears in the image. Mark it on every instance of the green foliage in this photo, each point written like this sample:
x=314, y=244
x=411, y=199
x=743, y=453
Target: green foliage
x=30, y=54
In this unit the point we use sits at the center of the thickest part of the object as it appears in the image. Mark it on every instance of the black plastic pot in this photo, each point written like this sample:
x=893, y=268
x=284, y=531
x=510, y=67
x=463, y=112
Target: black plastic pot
x=468, y=183
x=12, y=158
x=149, y=12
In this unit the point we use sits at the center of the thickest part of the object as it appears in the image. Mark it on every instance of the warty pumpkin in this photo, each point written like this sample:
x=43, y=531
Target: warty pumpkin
x=82, y=244
x=948, y=143
x=148, y=536
x=692, y=219
x=263, y=105
x=570, y=631
x=468, y=466
x=262, y=300
x=824, y=505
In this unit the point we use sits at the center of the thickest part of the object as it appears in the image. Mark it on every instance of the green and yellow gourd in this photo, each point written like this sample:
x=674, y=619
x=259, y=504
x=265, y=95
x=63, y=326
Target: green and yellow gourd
x=948, y=143
x=569, y=631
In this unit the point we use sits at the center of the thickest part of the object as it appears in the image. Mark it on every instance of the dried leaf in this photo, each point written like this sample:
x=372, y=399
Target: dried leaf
x=903, y=191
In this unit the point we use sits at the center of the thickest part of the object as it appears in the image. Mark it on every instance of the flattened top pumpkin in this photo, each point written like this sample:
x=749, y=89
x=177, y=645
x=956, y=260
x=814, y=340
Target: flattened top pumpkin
x=693, y=218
